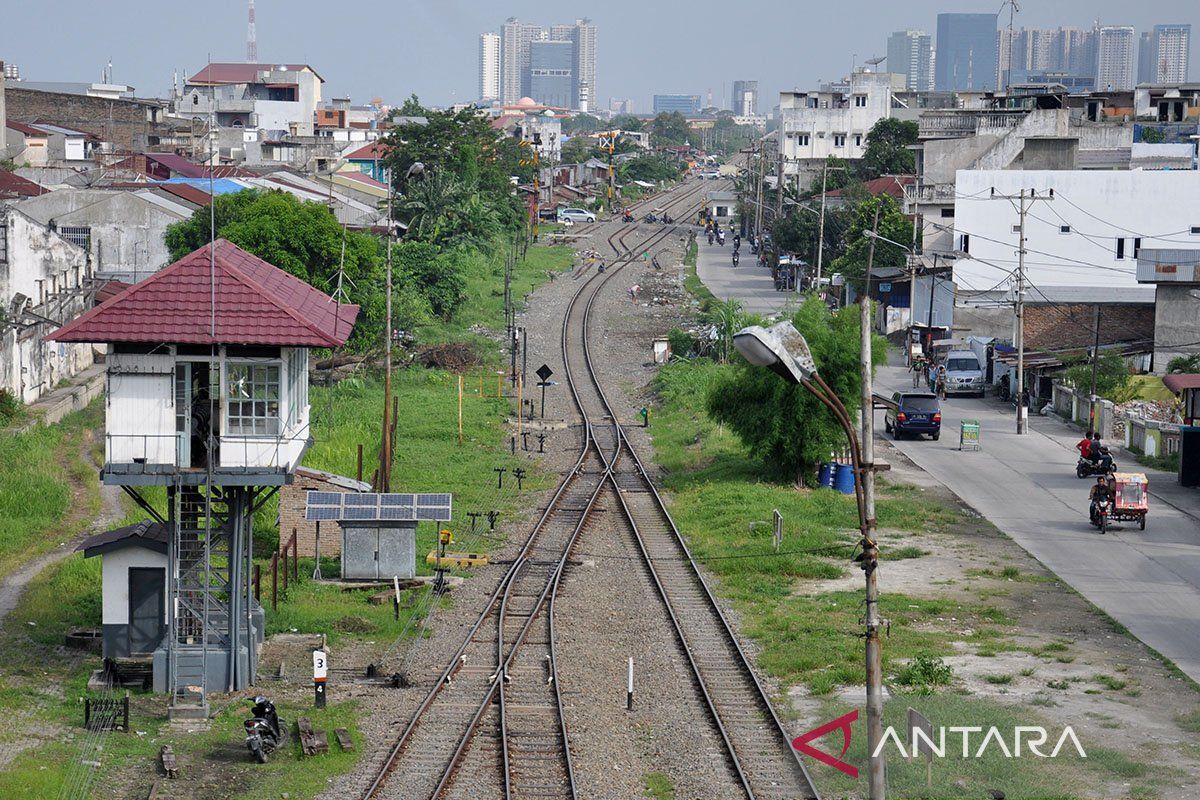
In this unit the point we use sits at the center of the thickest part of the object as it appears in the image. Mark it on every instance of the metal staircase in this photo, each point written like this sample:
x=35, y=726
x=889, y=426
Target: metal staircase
x=200, y=575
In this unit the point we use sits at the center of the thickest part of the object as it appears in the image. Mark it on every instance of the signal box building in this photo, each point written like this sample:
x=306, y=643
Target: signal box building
x=207, y=395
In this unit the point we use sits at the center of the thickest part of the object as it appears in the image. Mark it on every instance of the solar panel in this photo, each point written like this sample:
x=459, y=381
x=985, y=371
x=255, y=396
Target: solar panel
x=372, y=506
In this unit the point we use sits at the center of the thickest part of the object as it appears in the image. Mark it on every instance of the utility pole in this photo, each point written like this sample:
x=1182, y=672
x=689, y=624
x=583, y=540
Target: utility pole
x=1095, y=364
x=1023, y=198
x=779, y=178
x=876, y=786
x=821, y=224
x=385, y=450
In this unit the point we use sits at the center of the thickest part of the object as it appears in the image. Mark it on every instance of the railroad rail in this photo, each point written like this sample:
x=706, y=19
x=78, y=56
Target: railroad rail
x=434, y=747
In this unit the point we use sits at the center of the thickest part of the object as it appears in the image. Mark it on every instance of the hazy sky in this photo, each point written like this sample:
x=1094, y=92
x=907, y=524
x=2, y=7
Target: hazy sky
x=390, y=49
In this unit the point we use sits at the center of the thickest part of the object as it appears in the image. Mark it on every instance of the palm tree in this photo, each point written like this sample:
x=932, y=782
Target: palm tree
x=430, y=203
x=727, y=318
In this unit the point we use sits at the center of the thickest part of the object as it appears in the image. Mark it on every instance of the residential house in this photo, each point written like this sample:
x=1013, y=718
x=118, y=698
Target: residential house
x=44, y=280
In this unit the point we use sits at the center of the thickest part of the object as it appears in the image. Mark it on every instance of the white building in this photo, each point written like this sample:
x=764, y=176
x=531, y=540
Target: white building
x=1089, y=234
x=489, y=67
x=1172, y=51
x=819, y=124
x=1117, y=58
x=275, y=98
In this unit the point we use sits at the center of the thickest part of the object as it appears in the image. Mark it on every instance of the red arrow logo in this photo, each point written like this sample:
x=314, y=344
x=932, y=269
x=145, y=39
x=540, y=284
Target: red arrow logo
x=843, y=723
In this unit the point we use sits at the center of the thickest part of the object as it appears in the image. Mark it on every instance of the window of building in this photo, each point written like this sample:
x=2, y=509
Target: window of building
x=1196, y=230
x=297, y=385
x=812, y=102
x=947, y=213
x=839, y=140
x=860, y=101
x=858, y=140
x=1120, y=248
x=802, y=139
x=1064, y=228
x=1137, y=246
x=253, y=395
x=80, y=235
x=965, y=245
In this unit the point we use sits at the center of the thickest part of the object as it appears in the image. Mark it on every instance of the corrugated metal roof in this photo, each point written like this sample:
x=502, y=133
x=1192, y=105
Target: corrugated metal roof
x=256, y=303
x=1179, y=382
x=13, y=185
x=148, y=534
x=188, y=169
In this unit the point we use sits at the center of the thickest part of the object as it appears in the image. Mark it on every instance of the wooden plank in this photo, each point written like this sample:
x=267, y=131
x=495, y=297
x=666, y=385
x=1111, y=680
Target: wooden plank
x=170, y=766
x=344, y=740
x=311, y=742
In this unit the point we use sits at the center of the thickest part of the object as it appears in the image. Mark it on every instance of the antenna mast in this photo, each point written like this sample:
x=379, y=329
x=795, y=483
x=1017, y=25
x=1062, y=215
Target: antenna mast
x=251, y=37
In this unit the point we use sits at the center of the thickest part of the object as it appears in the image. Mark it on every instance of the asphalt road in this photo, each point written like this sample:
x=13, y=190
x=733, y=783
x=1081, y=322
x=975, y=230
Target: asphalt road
x=752, y=285
x=1149, y=581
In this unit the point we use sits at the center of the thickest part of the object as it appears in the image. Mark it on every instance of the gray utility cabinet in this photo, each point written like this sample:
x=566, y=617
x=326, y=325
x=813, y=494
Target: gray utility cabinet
x=378, y=550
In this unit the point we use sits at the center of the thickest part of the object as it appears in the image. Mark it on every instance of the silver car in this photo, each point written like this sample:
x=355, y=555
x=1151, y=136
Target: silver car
x=575, y=215
x=964, y=374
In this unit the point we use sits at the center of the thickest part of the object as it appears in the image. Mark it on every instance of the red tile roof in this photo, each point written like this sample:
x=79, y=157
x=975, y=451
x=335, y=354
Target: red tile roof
x=369, y=152
x=13, y=185
x=889, y=184
x=361, y=177
x=187, y=169
x=28, y=130
x=1178, y=382
x=242, y=72
x=256, y=303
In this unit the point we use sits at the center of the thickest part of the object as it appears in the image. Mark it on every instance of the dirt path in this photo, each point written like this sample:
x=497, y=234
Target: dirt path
x=13, y=585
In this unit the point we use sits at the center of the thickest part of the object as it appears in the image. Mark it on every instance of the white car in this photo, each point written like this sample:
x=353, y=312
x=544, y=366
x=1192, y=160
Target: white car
x=575, y=215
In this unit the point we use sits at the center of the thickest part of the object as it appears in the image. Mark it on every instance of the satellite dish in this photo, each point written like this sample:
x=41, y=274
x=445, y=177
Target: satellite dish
x=875, y=62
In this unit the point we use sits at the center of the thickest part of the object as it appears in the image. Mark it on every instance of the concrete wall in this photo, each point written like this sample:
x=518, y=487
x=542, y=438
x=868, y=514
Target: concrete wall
x=1176, y=323
x=821, y=124
x=1100, y=207
x=128, y=124
x=55, y=276
x=128, y=231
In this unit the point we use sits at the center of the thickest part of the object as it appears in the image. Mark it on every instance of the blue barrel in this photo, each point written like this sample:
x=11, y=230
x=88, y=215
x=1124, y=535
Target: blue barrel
x=843, y=478
x=825, y=476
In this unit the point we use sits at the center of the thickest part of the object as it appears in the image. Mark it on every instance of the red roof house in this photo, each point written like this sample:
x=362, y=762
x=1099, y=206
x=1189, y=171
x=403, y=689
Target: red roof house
x=236, y=298
x=223, y=73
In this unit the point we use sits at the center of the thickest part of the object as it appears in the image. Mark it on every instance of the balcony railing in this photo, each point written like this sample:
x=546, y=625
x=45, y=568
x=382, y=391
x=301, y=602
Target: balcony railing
x=947, y=124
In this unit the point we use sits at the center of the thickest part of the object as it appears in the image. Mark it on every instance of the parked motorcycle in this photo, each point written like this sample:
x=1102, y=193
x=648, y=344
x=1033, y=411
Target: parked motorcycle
x=667, y=220
x=263, y=731
x=650, y=218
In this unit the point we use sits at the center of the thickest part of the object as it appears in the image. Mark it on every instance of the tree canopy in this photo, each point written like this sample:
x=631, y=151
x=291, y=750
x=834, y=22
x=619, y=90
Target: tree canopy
x=888, y=151
x=669, y=128
x=781, y=423
x=893, y=225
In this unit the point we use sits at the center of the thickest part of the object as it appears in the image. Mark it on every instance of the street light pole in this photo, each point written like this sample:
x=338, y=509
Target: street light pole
x=784, y=350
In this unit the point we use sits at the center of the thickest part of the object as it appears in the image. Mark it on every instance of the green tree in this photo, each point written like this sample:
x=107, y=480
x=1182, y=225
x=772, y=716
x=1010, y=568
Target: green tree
x=797, y=232
x=727, y=318
x=649, y=168
x=1113, y=379
x=432, y=273
x=581, y=123
x=412, y=107
x=626, y=122
x=782, y=424
x=577, y=150
x=888, y=149
x=302, y=238
x=852, y=263
x=669, y=128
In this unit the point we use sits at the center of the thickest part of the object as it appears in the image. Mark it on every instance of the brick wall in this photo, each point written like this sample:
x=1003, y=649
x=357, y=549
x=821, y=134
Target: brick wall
x=126, y=123
x=1070, y=325
x=291, y=516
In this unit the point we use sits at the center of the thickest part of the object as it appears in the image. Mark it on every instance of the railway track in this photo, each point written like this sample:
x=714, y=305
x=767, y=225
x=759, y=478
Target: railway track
x=493, y=685
x=494, y=719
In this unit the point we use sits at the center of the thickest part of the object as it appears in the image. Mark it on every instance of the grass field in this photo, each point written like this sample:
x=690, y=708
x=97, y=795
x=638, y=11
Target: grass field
x=48, y=493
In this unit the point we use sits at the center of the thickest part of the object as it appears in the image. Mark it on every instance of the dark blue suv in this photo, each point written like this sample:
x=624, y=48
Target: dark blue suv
x=914, y=412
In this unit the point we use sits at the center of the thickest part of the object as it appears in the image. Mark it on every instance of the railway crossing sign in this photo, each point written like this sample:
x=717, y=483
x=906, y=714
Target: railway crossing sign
x=544, y=372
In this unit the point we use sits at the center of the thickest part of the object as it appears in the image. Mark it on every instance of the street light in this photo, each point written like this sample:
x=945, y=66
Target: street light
x=783, y=350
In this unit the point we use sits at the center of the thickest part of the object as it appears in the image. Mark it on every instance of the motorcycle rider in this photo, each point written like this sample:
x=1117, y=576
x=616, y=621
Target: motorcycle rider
x=1084, y=446
x=1100, y=496
x=735, y=258
x=710, y=236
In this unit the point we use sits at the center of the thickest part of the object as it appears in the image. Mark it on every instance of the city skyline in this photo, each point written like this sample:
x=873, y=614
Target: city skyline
x=634, y=62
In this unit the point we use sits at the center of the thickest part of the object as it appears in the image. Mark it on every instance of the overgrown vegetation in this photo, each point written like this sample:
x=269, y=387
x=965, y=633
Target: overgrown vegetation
x=1113, y=378
x=786, y=428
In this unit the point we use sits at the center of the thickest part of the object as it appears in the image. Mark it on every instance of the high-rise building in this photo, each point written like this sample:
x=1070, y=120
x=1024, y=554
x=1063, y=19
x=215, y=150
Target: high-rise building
x=516, y=76
x=515, y=38
x=966, y=52
x=910, y=53
x=1115, y=58
x=683, y=103
x=1172, y=52
x=552, y=73
x=489, y=67
x=744, y=98
x=1145, y=70
x=1042, y=53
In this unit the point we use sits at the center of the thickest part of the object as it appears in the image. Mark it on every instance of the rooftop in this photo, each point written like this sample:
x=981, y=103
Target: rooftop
x=151, y=535
x=236, y=298
x=226, y=72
